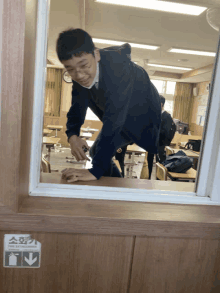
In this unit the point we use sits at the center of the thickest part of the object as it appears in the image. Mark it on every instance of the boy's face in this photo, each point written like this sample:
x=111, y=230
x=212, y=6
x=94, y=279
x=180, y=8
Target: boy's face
x=82, y=69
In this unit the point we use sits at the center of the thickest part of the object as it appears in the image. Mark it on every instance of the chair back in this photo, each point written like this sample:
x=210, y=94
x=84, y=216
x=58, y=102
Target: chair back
x=161, y=172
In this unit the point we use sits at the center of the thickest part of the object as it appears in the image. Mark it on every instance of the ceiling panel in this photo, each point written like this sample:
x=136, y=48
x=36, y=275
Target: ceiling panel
x=140, y=26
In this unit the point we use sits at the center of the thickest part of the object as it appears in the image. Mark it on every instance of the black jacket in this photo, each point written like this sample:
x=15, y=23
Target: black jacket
x=167, y=129
x=128, y=102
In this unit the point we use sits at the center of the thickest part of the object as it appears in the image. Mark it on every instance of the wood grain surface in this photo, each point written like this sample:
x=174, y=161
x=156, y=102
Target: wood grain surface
x=189, y=153
x=122, y=182
x=50, y=140
x=30, y=8
x=104, y=209
x=135, y=148
x=11, y=95
x=105, y=264
x=174, y=265
x=72, y=263
x=117, y=218
x=47, y=131
x=189, y=174
x=54, y=127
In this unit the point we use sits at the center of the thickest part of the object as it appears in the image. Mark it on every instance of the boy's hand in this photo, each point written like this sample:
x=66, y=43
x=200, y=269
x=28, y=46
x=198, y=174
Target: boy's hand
x=73, y=175
x=78, y=145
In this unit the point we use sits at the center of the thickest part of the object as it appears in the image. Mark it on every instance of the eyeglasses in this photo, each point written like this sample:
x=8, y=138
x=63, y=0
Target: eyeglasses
x=66, y=77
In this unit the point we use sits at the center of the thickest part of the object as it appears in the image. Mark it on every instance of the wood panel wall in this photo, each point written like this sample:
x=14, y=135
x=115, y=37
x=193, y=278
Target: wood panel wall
x=116, y=264
x=196, y=102
x=27, y=78
x=13, y=22
x=174, y=265
x=73, y=263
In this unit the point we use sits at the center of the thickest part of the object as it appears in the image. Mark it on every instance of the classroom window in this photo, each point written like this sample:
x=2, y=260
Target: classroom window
x=170, y=88
x=105, y=192
x=169, y=107
x=53, y=88
x=164, y=87
x=159, y=84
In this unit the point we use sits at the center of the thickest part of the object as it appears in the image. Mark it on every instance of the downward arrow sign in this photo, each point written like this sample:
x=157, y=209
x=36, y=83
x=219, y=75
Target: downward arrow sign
x=30, y=261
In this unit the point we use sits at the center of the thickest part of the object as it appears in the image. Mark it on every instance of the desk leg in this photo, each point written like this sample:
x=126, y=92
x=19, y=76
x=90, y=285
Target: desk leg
x=49, y=151
x=127, y=175
x=129, y=168
x=195, y=163
x=132, y=165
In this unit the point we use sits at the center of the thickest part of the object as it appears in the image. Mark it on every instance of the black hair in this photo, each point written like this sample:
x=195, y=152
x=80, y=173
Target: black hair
x=74, y=42
x=162, y=100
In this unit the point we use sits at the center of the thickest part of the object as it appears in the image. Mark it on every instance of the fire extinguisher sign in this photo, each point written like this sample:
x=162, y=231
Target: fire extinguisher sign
x=21, y=251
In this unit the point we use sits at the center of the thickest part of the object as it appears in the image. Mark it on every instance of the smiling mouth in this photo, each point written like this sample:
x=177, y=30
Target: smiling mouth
x=84, y=81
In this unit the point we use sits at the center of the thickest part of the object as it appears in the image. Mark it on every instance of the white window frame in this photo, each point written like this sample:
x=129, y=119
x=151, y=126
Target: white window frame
x=166, y=88
x=208, y=182
x=163, y=85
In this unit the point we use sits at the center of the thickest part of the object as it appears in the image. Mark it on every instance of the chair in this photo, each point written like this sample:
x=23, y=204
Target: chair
x=45, y=165
x=161, y=172
x=117, y=164
x=169, y=151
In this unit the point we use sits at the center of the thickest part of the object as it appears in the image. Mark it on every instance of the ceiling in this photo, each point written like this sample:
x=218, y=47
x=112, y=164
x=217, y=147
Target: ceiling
x=143, y=26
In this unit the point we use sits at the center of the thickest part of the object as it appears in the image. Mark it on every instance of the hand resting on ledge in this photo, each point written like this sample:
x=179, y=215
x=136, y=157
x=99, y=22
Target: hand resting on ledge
x=73, y=175
x=56, y=178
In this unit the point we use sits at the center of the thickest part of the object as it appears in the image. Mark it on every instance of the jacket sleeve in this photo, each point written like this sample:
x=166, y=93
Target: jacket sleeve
x=77, y=112
x=166, y=122
x=116, y=109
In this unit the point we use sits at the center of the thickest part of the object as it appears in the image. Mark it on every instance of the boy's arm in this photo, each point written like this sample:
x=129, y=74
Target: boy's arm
x=166, y=122
x=76, y=114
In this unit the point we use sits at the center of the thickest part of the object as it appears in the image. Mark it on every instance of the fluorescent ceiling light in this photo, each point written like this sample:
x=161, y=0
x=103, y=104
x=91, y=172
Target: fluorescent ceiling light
x=167, y=66
x=192, y=52
x=159, y=5
x=116, y=43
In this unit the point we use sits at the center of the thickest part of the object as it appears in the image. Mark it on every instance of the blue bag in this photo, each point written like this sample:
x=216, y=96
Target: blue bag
x=178, y=163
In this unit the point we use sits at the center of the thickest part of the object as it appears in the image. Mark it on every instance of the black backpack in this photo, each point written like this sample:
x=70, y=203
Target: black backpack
x=168, y=129
x=178, y=163
x=193, y=144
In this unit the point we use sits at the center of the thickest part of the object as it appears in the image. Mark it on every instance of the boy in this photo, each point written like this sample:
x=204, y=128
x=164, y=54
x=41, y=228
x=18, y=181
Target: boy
x=118, y=91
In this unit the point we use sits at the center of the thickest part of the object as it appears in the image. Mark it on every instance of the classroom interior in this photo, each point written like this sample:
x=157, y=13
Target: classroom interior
x=183, y=79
